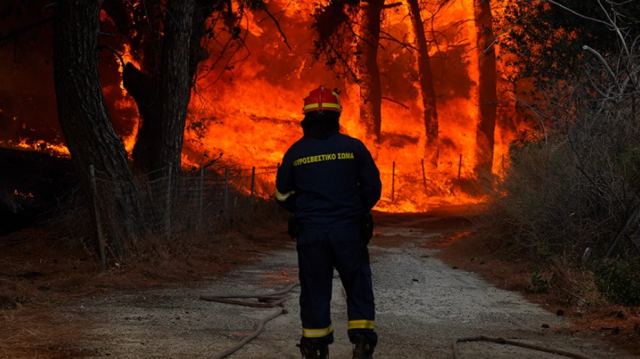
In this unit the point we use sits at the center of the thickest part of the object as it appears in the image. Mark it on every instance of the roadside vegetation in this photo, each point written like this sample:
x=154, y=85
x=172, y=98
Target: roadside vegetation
x=570, y=198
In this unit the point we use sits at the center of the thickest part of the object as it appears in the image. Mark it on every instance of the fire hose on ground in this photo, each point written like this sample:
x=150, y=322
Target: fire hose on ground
x=265, y=300
x=276, y=300
x=504, y=341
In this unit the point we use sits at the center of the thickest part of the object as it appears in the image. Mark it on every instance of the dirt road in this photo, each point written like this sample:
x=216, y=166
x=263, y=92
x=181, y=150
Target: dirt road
x=422, y=306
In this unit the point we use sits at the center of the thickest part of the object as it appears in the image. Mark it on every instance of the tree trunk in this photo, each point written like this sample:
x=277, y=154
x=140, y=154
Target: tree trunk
x=367, y=65
x=144, y=86
x=204, y=8
x=176, y=81
x=426, y=82
x=83, y=117
x=487, y=87
x=162, y=88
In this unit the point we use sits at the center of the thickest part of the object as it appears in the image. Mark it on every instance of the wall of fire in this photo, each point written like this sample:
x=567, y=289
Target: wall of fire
x=247, y=103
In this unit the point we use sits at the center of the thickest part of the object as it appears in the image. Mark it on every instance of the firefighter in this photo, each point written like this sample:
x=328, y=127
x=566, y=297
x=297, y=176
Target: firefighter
x=330, y=183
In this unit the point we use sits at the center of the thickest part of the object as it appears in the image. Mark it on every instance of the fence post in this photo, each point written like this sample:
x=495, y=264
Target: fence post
x=226, y=192
x=393, y=182
x=200, y=199
x=424, y=175
x=96, y=213
x=167, y=206
x=277, y=206
x=459, y=167
x=253, y=181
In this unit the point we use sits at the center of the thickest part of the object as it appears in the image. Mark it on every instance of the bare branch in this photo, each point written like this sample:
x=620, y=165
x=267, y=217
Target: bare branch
x=387, y=36
x=277, y=23
x=396, y=102
x=601, y=58
x=114, y=51
x=616, y=28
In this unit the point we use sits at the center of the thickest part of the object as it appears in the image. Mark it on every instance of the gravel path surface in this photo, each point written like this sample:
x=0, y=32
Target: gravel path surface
x=422, y=305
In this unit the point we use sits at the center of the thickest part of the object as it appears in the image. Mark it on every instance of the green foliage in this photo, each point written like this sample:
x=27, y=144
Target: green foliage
x=547, y=40
x=619, y=281
x=538, y=283
x=577, y=187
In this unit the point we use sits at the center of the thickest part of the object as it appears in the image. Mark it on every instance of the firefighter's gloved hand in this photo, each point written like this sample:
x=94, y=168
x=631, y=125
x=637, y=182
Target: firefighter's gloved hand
x=293, y=228
x=367, y=227
x=289, y=203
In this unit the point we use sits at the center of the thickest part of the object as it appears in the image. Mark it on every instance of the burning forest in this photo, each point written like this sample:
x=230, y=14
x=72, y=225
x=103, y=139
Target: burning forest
x=159, y=154
x=422, y=83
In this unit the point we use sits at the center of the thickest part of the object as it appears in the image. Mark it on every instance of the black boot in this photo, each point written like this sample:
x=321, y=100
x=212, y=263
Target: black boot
x=364, y=346
x=314, y=350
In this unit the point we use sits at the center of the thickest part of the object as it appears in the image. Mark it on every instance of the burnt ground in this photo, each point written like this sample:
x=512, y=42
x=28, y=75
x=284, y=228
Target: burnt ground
x=32, y=186
x=423, y=305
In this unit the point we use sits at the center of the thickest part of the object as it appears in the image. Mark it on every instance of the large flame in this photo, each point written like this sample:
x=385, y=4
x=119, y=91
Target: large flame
x=251, y=113
x=58, y=150
x=247, y=104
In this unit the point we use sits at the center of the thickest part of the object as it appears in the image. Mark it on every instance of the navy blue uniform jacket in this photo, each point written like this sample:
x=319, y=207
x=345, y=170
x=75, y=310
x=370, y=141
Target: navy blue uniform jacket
x=328, y=181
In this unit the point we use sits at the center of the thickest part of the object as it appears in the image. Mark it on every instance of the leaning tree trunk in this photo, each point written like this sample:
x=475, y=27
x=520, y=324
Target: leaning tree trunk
x=82, y=113
x=144, y=86
x=426, y=83
x=367, y=66
x=487, y=87
x=162, y=88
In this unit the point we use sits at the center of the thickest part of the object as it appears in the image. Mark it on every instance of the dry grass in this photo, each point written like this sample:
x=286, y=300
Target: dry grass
x=571, y=198
x=568, y=291
x=39, y=274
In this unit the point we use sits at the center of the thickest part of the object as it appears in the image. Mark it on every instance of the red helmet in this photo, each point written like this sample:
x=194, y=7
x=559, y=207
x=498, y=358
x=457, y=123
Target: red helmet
x=322, y=99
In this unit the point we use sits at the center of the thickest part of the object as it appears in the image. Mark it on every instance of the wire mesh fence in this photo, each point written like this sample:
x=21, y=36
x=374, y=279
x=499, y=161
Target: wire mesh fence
x=173, y=205
x=206, y=201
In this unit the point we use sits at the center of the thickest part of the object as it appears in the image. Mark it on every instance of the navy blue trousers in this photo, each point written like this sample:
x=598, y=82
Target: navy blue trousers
x=320, y=250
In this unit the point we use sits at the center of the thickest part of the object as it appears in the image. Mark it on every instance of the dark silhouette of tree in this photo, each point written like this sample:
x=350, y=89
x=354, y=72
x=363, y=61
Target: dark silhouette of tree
x=426, y=82
x=488, y=99
x=172, y=49
x=169, y=42
x=83, y=116
x=368, y=72
x=559, y=34
x=340, y=25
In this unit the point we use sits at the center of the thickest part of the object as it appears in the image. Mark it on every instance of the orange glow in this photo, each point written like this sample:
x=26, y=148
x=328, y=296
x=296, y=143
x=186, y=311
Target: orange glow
x=127, y=101
x=248, y=107
x=40, y=146
x=252, y=112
